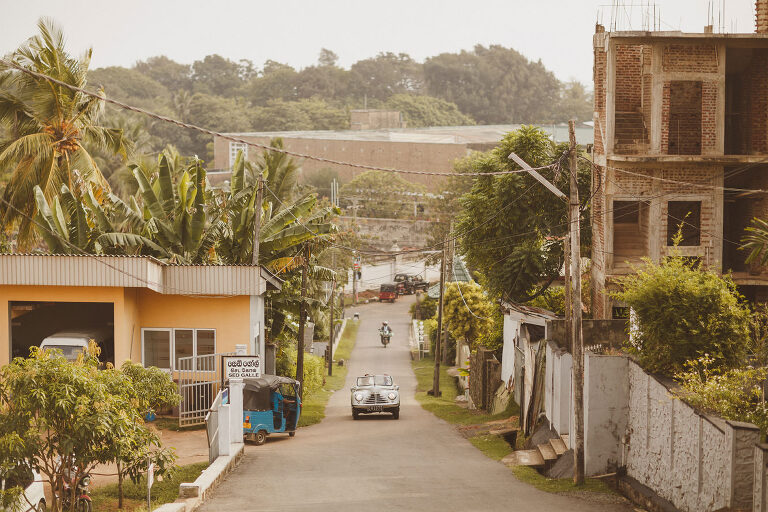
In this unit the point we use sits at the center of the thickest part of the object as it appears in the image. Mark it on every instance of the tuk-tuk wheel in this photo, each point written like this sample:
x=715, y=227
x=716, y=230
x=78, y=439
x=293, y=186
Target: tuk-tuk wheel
x=292, y=434
x=260, y=438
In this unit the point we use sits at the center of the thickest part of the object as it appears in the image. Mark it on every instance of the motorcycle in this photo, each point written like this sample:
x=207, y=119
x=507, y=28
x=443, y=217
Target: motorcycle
x=82, y=498
x=385, y=336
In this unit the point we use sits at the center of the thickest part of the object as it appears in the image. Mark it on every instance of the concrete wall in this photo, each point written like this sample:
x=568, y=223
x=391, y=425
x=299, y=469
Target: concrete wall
x=510, y=332
x=382, y=233
x=606, y=405
x=558, y=401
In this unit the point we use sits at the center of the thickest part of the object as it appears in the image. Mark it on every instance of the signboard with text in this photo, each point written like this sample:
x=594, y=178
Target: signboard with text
x=241, y=367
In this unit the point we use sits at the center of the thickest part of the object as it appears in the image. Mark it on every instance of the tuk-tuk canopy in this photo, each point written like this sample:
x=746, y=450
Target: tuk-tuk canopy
x=257, y=392
x=387, y=287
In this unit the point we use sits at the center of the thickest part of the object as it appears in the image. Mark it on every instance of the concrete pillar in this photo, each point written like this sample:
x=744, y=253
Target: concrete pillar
x=224, y=426
x=236, y=410
x=741, y=439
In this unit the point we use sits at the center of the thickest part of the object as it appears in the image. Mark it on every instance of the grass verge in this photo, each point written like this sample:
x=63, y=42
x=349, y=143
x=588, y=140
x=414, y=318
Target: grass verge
x=313, y=408
x=558, y=485
x=492, y=446
x=135, y=494
x=444, y=407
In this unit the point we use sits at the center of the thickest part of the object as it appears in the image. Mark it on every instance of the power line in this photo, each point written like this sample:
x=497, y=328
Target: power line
x=230, y=138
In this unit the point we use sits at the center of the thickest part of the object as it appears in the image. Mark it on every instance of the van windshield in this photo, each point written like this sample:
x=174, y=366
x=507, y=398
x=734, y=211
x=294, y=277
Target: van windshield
x=70, y=352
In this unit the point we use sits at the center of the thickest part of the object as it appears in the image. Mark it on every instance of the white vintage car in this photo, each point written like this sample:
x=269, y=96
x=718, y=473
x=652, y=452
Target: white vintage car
x=375, y=393
x=33, y=498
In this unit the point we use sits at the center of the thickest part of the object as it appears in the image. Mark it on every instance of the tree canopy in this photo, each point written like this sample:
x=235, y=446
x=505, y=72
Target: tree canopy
x=511, y=226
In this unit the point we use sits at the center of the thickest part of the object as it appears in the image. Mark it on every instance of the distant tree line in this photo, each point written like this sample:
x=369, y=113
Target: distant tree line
x=493, y=85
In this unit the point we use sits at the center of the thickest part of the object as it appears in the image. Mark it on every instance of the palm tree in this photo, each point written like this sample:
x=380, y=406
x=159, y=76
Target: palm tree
x=48, y=126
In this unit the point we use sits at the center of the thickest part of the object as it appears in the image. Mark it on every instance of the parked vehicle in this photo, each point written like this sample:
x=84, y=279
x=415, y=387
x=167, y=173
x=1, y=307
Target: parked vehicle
x=388, y=292
x=33, y=498
x=72, y=343
x=408, y=284
x=271, y=404
x=82, y=494
x=375, y=393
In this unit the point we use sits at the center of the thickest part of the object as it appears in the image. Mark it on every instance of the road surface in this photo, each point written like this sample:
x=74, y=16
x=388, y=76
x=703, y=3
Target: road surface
x=376, y=463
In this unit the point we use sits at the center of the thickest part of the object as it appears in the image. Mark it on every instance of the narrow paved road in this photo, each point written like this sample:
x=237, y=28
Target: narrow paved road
x=415, y=463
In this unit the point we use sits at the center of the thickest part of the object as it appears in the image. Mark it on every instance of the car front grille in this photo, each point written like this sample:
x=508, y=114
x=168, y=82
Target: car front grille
x=375, y=398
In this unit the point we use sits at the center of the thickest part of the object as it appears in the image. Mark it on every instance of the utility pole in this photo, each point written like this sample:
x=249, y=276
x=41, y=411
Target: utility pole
x=354, y=278
x=302, y=321
x=576, y=333
x=257, y=220
x=333, y=331
x=573, y=295
x=438, y=348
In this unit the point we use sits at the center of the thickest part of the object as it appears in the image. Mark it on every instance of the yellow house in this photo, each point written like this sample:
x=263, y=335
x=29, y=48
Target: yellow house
x=142, y=309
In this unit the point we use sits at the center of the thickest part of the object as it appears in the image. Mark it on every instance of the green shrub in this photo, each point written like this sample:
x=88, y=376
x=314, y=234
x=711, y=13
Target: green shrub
x=314, y=368
x=733, y=394
x=682, y=313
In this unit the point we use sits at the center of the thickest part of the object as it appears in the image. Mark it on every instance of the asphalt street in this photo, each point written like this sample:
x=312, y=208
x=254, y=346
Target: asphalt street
x=418, y=462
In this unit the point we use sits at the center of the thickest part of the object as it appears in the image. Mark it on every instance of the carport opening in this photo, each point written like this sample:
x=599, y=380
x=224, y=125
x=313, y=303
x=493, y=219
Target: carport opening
x=32, y=322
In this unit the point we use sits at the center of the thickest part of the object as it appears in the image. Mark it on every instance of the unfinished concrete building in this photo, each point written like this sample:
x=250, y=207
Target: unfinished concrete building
x=681, y=123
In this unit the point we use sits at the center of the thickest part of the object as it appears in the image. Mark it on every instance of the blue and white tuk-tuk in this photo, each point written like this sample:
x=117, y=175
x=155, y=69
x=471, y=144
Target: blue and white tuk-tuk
x=271, y=404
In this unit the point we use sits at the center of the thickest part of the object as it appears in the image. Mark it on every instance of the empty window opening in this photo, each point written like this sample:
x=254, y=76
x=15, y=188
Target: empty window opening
x=746, y=101
x=630, y=232
x=632, y=99
x=739, y=208
x=684, y=136
x=684, y=217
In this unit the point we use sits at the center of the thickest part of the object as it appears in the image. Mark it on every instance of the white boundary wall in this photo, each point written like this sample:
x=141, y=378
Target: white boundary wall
x=697, y=462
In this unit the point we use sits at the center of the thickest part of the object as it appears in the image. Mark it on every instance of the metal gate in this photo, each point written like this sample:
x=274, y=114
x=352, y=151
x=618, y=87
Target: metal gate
x=199, y=383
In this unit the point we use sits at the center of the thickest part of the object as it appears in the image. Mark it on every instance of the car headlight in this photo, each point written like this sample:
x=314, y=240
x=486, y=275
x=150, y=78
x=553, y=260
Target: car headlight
x=359, y=397
x=392, y=396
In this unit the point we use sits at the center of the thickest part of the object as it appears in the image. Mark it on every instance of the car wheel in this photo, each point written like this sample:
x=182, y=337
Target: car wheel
x=261, y=437
x=292, y=434
x=41, y=506
x=396, y=414
x=355, y=415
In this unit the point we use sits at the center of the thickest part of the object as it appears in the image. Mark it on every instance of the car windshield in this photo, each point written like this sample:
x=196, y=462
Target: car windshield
x=70, y=352
x=383, y=380
x=365, y=381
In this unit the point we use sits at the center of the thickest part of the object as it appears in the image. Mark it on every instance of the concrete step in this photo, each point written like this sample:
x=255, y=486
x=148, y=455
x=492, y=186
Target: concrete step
x=547, y=452
x=531, y=458
x=558, y=445
x=565, y=438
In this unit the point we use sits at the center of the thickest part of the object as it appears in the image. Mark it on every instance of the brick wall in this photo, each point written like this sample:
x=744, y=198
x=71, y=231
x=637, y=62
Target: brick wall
x=686, y=58
x=758, y=86
x=599, y=77
x=629, y=70
x=685, y=118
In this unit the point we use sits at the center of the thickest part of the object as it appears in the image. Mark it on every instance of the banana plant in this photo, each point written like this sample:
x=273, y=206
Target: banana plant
x=71, y=226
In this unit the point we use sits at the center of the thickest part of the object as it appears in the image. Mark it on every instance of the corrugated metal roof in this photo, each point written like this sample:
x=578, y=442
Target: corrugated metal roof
x=460, y=274
x=526, y=310
x=131, y=272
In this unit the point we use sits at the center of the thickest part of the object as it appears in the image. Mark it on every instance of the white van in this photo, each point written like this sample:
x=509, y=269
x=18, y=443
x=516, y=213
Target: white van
x=71, y=344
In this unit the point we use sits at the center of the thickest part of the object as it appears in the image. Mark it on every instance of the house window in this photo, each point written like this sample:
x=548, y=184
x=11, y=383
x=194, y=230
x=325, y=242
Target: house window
x=156, y=347
x=684, y=216
x=161, y=346
x=234, y=147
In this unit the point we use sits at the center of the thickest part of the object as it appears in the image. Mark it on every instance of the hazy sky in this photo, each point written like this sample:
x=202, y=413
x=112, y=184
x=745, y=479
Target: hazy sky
x=559, y=32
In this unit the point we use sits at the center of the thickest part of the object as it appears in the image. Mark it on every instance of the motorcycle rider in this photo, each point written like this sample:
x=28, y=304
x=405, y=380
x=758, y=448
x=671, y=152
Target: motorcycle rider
x=385, y=329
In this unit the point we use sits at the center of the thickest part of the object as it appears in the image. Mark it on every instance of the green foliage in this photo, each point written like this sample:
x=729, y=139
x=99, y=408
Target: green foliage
x=382, y=194
x=314, y=368
x=304, y=114
x=683, y=313
x=424, y=308
x=733, y=394
x=756, y=241
x=47, y=129
x=63, y=417
x=494, y=85
x=467, y=312
x=553, y=299
x=158, y=391
x=513, y=224
x=420, y=111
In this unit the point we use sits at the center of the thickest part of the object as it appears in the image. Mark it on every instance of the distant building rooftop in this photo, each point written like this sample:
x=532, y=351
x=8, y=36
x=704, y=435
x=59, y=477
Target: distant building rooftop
x=478, y=134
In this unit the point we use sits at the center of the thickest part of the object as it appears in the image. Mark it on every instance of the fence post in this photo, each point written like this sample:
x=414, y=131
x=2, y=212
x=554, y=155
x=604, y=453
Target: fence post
x=759, y=502
x=741, y=439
